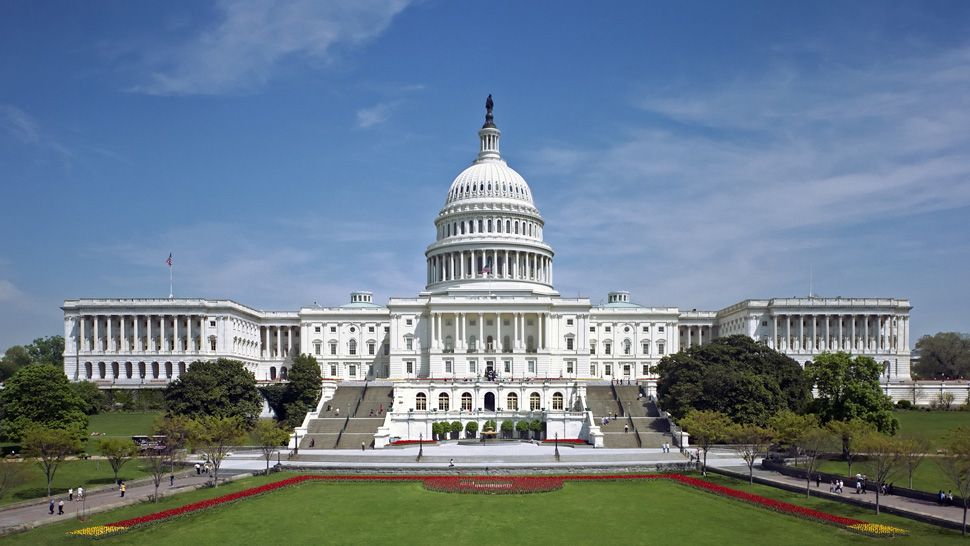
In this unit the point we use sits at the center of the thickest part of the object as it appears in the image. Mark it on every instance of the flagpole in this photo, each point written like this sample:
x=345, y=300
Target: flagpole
x=171, y=292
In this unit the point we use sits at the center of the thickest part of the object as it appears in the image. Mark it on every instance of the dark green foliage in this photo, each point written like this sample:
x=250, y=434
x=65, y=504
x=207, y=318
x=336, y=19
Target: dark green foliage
x=291, y=401
x=945, y=355
x=47, y=350
x=40, y=396
x=220, y=388
x=93, y=398
x=848, y=388
x=456, y=426
x=471, y=426
x=734, y=375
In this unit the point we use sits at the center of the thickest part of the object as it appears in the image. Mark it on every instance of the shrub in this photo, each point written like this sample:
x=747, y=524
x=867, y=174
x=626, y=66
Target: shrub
x=456, y=426
x=471, y=426
x=904, y=405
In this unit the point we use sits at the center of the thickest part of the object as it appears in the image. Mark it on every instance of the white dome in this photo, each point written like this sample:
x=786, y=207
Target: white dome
x=489, y=179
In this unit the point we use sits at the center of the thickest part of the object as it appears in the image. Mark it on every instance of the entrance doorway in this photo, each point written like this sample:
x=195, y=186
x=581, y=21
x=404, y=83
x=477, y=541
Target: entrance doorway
x=489, y=401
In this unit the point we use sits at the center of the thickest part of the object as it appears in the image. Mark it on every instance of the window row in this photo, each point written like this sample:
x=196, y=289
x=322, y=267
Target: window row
x=511, y=402
x=490, y=225
x=116, y=370
x=626, y=347
x=351, y=348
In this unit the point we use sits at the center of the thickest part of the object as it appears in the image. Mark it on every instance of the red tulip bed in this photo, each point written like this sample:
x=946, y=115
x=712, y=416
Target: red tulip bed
x=576, y=441
x=413, y=442
x=497, y=485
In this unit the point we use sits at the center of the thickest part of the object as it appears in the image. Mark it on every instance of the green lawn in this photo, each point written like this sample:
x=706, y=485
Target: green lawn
x=928, y=476
x=70, y=474
x=932, y=425
x=635, y=512
x=120, y=425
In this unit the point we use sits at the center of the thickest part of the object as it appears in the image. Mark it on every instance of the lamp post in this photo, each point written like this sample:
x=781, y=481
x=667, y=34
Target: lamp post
x=420, y=445
x=557, y=446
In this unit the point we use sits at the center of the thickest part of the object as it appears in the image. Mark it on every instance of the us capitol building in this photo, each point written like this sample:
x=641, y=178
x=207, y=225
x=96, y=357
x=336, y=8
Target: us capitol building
x=489, y=334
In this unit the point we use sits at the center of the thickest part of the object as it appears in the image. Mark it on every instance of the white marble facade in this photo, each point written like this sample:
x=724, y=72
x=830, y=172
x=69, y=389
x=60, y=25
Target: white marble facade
x=489, y=304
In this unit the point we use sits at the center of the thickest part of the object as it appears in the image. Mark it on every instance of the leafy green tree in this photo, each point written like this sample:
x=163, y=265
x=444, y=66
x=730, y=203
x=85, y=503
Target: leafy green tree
x=956, y=466
x=220, y=388
x=707, y=428
x=47, y=350
x=14, y=358
x=789, y=425
x=214, y=436
x=848, y=388
x=813, y=442
x=750, y=442
x=117, y=451
x=93, y=397
x=943, y=355
x=40, y=396
x=885, y=455
x=734, y=375
x=471, y=428
x=915, y=450
x=50, y=446
x=291, y=401
x=849, y=432
x=270, y=437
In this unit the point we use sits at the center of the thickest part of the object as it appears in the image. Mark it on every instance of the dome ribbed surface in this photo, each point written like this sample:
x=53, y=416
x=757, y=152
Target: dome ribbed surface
x=489, y=179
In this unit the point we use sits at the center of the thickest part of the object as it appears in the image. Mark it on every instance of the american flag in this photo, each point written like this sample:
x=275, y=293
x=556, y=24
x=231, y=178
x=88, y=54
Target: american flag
x=169, y=260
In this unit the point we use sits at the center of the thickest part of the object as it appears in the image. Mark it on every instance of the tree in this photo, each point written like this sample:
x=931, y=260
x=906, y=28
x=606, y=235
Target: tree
x=156, y=460
x=214, y=437
x=812, y=442
x=734, y=375
x=751, y=442
x=93, y=397
x=945, y=355
x=50, y=446
x=220, y=388
x=40, y=396
x=955, y=464
x=788, y=426
x=848, y=388
x=914, y=451
x=14, y=358
x=885, y=457
x=471, y=428
x=292, y=400
x=706, y=428
x=118, y=451
x=47, y=350
x=270, y=437
x=849, y=432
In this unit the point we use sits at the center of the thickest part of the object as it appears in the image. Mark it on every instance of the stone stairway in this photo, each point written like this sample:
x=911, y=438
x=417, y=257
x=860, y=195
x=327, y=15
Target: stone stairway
x=376, y=402
x=344, y=399
x=333, y=430
x=652, y=430
x=600, y=400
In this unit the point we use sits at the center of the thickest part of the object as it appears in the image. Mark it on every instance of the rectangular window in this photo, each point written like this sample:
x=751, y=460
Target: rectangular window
x=646, y=348
x=472, y=368
x=212, y=344
x=592, y=328
x=608, y=349
x=646, y=328
x=370, y=348
x=764, y=323
x=352, y=348
x=608, y=368
x=660, y=349
x=508, y=366
x=660, y=329
x=609, y=328
x=333, y=329
x=316, y=348
x=646, y=369
x=333, y=370
x=408, y=322
x=352, y=371
x=212, y=323
x=409, y=365
x=333, y=348
x=592, y=369
x=447, y=366
x=532, y=366
x=409, y=343
x=569, y=322
x=569, y=366
x=387, y=349
x=569, y=344
x=370, y=329
x=592, y=349
x=387, y=329
x=316, y=329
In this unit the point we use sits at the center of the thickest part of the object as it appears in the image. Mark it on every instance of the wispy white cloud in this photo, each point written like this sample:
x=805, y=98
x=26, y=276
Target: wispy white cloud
x=248, y=42
x=374, y=115
x=19, y=124
x=743, y=186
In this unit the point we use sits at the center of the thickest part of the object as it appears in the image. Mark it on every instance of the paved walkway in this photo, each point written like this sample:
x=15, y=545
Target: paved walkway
x=906, y=505
x=97, y=500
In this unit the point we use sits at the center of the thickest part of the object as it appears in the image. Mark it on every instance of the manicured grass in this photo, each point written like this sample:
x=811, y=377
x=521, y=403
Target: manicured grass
x=119, y=425
x=70, y=474
x=932, y=425
x=622, y=512
x=928, y=476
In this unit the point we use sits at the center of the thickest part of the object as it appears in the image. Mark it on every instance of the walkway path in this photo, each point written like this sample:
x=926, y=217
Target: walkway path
x=97, y=500
x=902, y=505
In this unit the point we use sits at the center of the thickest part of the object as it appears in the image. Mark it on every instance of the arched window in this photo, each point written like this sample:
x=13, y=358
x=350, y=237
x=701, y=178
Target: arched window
x=128, y=370
x=114, y=370
x=141, y=370
x=626, y=346
x=512, y=402
x=516, y=227
x=352, y=347
x=535, y=401
x=490, y=225
x=421, y=402
x=88, y=371
x=272, y=373
x=101, y=369
x=168, y=370
x=508, y=226
x=443, y=402
x=489, y=344
x=181, y=369
x=283, y=373
x=466, y=401
x=154, y=370
x=557, y=401
x=481, y=225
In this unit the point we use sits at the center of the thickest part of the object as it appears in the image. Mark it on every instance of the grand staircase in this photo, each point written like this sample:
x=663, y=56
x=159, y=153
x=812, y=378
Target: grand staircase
x=349, y=419
x=638, y=424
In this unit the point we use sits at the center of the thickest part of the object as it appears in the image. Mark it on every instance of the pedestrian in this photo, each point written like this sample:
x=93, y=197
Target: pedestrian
x=451, y=463
x=626, y=428
x=338, y=412
x=818, y=480
x=171, y=480
x=198, y=469
x=949, y=496
x=312, y=442
x=362, y=448
x=123, y=488
x=940, y=497
x=51, y=507
x=832, y=487
x=70, y=494
x=60, y=507
x=80, y=493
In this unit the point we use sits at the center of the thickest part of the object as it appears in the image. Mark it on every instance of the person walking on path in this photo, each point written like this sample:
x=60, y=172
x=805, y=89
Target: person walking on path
x=70, y=494
x=198, y=469
x=123, y=488
x=451, y=463
x=60, y=507
x=171, y=480
x=626, y=428
x=362, y=448
x=80, y=493
x=51, y=507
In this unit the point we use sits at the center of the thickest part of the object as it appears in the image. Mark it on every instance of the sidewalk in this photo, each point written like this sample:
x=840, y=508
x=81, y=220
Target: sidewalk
x=37, y=513
x=929, y=512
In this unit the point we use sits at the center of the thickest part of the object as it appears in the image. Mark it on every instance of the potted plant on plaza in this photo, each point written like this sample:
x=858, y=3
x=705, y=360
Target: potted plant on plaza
x=523, y=428
x=455, y=430
x=536, y=427
x=507, y=427
x=436, y=431
x=471, y=428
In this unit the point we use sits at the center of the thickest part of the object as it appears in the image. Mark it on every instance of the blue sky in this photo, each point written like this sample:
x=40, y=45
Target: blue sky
x=694, y=153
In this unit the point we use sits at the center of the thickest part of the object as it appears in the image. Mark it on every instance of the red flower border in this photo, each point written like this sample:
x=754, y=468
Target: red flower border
x=492, y=485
